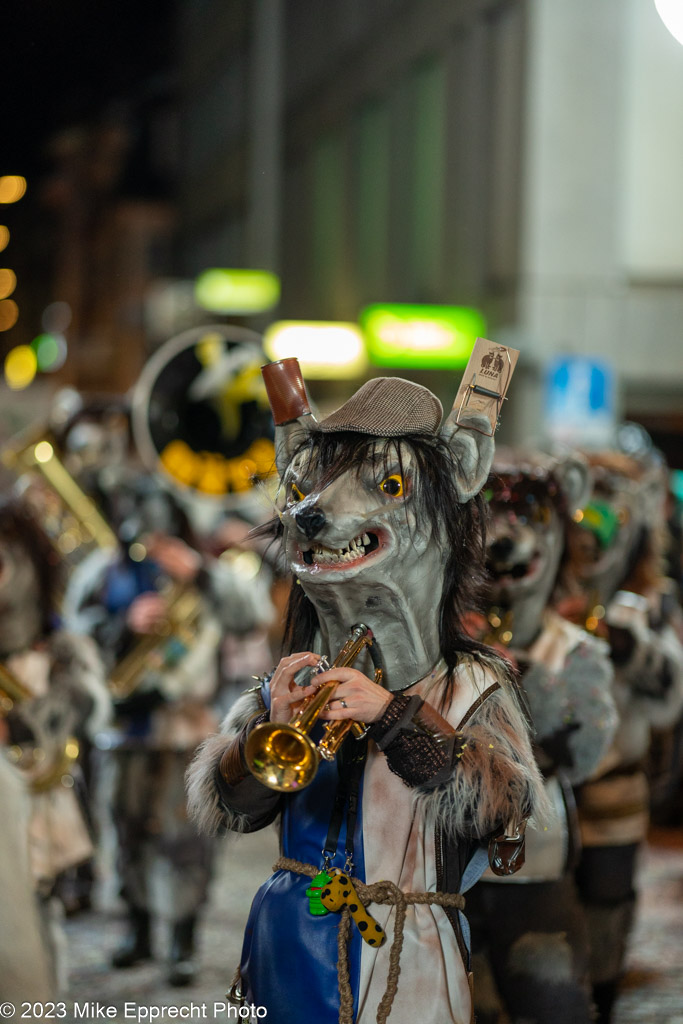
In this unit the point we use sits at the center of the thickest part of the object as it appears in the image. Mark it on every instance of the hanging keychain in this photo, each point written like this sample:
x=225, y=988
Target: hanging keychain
x=340, y=892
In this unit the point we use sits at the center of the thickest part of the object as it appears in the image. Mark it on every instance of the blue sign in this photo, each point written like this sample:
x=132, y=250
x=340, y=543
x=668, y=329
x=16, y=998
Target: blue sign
x=580, y=401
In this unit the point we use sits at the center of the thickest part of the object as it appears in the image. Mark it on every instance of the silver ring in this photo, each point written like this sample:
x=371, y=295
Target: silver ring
x=343, y=703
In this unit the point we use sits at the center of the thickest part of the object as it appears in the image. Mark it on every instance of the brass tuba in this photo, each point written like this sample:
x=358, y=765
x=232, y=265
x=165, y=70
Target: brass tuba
x=42, y=775
x=12, y=691
x=282, y=755
x=68, y=516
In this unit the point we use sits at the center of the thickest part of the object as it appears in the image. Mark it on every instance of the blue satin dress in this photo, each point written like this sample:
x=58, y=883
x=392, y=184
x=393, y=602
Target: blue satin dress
x=289, y=956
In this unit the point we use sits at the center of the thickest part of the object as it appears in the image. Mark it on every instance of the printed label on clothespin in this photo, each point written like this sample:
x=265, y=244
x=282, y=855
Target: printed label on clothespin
x=485, y=381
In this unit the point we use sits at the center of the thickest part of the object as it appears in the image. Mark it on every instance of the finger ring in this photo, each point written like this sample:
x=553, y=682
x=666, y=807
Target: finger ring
x=343, y=703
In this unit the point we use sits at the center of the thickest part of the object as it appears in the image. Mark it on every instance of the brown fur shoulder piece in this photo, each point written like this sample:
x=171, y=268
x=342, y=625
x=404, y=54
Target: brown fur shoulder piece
x=495, y=778
x=203, y=802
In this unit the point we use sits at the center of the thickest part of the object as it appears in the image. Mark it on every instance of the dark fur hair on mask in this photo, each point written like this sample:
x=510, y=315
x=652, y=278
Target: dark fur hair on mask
x=19, y=525
x=459, y=528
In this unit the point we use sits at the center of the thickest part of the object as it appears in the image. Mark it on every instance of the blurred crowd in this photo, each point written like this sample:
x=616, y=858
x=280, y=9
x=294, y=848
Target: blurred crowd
x=130, y=621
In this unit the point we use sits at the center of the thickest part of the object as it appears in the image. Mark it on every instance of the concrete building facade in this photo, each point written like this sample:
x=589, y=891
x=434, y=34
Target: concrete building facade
x=522, y=156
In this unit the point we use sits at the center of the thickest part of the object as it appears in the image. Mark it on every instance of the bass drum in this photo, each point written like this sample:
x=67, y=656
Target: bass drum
x=200, y=415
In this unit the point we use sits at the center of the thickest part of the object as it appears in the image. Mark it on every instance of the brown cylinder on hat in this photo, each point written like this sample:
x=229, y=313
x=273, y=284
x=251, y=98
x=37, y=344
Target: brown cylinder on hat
x=286, y=390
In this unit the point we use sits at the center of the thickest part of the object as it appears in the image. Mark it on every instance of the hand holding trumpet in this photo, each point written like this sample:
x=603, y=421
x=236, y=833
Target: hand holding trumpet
x=280, y=753
x=285, y=695
x=356, y=697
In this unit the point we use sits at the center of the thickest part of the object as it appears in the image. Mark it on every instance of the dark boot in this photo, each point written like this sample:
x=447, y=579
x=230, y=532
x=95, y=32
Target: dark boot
x=136, y=947
x=182, y=960
x=604, y=996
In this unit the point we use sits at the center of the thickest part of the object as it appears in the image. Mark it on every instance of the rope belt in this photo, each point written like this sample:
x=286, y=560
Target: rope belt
x=382, y=893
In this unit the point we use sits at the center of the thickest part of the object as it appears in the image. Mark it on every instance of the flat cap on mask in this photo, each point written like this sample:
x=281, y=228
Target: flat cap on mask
x=387, y=407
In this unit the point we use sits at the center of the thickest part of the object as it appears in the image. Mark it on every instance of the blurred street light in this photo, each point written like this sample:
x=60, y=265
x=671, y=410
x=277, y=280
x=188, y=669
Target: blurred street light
x=51, y=351
x=8, y=282
x=12, y=188
x=21, y=366
x=56, y=317
x=9, y=314
x=671, y=13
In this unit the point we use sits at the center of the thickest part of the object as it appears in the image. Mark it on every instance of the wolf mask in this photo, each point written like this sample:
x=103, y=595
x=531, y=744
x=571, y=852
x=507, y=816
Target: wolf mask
x=606, y=539
x=379, y=516
x=531, y=498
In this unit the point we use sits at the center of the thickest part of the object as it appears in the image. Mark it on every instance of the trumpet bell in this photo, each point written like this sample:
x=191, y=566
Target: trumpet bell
x=281, y=757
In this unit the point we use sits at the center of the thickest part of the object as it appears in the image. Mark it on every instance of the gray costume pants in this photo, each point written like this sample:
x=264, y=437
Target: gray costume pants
x=162, y=860
x=530, y=953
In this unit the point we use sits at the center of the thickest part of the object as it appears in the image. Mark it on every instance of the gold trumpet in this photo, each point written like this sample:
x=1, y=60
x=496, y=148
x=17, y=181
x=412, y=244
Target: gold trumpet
x=282, y=755
x=163, y=648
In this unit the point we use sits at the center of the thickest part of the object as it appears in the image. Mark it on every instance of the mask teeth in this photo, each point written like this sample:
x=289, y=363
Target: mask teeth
x=329, y=556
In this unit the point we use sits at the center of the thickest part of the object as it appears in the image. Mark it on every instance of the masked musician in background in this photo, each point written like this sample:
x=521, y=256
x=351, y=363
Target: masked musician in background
x=529, y=932
x=57, y=700
x=24, y=954
x=160, y=612
x=381, y=527
x=613, y=583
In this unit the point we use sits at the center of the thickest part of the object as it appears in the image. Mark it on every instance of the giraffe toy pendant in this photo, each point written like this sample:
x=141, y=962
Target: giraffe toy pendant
x=339, y=891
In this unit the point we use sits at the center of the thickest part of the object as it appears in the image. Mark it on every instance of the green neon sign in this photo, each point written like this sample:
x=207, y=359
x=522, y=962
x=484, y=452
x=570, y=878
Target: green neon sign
x=421, y=337
x=237, y=291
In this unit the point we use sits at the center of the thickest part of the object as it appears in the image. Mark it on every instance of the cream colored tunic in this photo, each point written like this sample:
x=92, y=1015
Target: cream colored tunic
x=399, y=845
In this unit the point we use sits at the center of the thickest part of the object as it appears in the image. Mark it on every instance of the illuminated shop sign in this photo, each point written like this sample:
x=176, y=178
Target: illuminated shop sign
x=421, y=337
x=325, y=349
x=237, y=291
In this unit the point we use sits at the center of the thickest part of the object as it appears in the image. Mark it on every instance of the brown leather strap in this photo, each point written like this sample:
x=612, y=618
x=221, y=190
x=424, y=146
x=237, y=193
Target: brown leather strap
x=506, y=851
x=477, y=704
x=230, y=765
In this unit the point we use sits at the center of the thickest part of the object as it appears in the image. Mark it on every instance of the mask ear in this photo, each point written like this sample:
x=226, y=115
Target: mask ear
x=288, y=437
x=574, y=477
x=473, y=450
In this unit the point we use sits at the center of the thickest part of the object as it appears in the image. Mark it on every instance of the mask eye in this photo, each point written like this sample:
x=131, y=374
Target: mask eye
x=295, y=494
x=392, y=485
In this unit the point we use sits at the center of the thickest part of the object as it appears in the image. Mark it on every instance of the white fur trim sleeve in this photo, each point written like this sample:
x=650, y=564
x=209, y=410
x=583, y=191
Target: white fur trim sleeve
x=204, y=802
x=494, y=777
